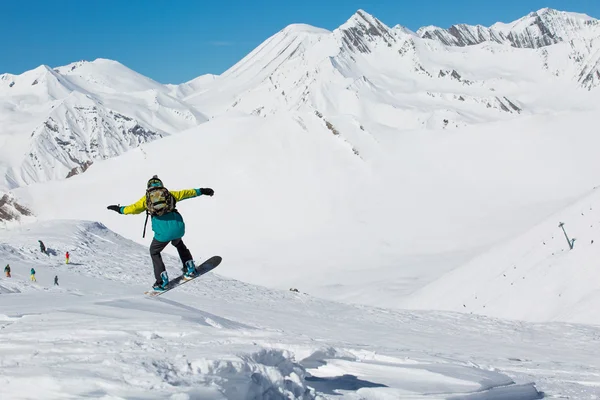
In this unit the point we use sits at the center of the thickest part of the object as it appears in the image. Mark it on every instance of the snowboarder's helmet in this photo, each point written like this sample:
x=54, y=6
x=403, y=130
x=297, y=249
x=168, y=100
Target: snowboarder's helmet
x=155, y=182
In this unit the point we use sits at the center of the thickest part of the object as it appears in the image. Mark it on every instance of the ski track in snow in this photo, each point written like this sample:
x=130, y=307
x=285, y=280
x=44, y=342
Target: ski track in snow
x=97, y=336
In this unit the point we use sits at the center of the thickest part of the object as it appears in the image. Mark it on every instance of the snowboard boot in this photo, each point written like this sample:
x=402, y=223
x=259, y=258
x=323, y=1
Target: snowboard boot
x=162, y=284
x=157, y=287
x=190, y=269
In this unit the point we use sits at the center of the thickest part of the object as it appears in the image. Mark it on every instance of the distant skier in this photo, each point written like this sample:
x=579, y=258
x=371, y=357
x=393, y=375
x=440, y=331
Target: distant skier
x=42, y=247
x=7, y=270
x=67, y=258
x=32, y=277
x=167, y=224
x=56, y=280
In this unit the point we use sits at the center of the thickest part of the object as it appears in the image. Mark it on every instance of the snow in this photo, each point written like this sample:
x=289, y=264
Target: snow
x=590, y=73
x=538, y=29
x=195, y=85
x=362, y=19
x=293, y=201
x=410, y=187
x=304, y=28
x=381, y=160
x=103, y=75
x=536, y=264
x=523, y=23
x=58, y=120
x=301, y=69
x=96, y=336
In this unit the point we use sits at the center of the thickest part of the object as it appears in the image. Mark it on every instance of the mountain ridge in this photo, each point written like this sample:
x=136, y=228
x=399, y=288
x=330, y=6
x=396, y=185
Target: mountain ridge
x=537, y=29
x=58, y=121
x=409, y=80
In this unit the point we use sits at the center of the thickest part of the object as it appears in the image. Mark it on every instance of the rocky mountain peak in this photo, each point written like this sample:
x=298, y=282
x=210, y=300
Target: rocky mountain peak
x=362, y=29
x=537, y=29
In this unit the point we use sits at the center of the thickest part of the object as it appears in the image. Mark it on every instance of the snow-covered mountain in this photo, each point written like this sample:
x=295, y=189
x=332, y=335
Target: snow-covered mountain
x=365, y=70
x=57, y=122
x=11, y=212
x=543, y=28
x=361, y=67
x=194, y=86
x=538, y=29
x=362, y=77
x=590, y=73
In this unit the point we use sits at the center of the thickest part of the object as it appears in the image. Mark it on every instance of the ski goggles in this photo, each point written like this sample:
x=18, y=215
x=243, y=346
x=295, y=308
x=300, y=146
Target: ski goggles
x=155, y=183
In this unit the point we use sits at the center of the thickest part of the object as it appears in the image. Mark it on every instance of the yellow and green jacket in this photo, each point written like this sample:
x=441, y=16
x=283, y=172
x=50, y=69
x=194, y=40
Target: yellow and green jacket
x=169, y=226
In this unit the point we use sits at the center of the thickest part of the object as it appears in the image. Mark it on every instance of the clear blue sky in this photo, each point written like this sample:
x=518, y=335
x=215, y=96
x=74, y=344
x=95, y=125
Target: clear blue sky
x=173, y=41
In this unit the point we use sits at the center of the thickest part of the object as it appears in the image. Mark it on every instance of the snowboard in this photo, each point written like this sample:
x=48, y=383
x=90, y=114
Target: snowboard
x=201, y=269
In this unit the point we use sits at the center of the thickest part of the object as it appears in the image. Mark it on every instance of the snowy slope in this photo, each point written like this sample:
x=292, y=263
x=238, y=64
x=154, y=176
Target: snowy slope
x=378, y=159
x=94, y=335
x=56, y=122
x=365, y=165
x=295, y=206
x=533, y=276
x=195, y=85
x=590, y=73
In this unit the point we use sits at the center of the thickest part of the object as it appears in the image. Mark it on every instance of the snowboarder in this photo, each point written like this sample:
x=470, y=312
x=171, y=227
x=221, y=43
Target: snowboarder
x=7, y=270
x=42, y=247
x=67, y=257
x=56, y=280
x=167, y=224
x=32, y=278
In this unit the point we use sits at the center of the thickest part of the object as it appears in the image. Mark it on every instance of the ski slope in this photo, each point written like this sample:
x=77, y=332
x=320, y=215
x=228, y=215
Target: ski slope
x=533, y=276
x=295, y=207
x=96, y=336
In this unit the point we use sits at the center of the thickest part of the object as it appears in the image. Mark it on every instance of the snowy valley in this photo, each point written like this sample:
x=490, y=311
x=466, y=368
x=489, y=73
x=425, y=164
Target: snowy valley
x=409, y=184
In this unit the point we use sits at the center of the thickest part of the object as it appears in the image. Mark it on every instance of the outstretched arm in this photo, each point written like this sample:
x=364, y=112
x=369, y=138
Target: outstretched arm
x=135, y=208
x=189, y=193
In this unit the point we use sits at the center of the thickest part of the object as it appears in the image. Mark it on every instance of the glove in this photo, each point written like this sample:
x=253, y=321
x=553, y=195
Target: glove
x=115, y=208
x=207, y=191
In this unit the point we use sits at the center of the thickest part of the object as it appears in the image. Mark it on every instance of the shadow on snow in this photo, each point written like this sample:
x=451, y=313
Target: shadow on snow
x=329, y=385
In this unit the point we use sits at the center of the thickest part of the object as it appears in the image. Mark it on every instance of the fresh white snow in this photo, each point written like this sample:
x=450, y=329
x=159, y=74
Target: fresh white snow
x=292, y=204
x=55, y=122
x=409, y=185
x=96, y=336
